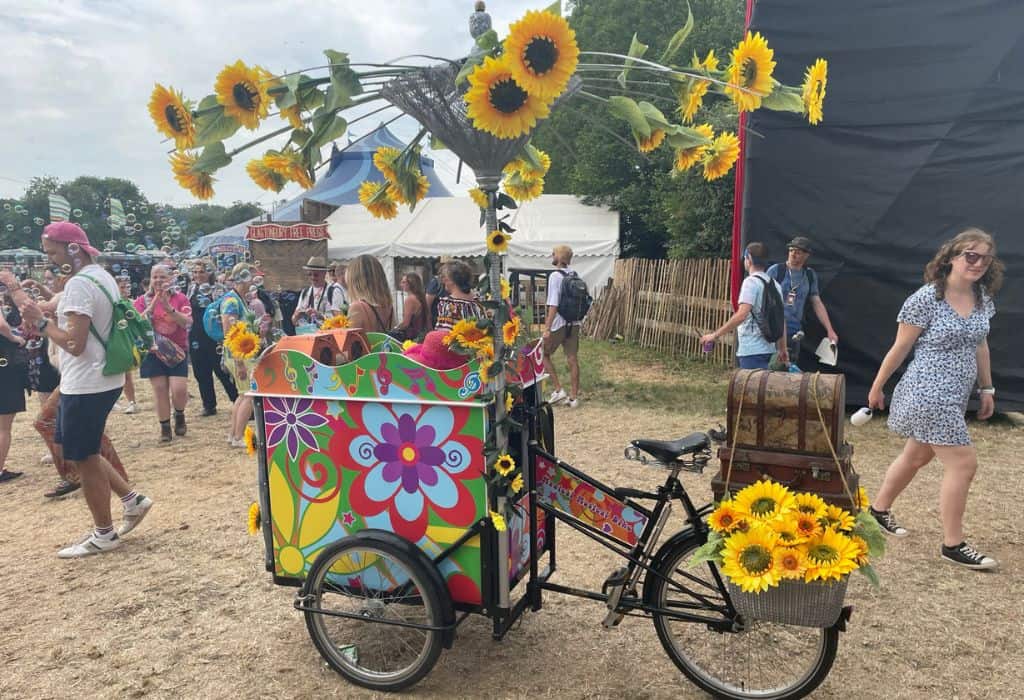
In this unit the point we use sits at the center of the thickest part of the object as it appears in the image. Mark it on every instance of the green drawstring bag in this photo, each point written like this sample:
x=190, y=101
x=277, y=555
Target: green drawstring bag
x=131, y=335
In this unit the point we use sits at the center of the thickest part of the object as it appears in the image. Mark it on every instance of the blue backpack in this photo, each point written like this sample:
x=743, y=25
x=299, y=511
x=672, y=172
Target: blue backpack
x=211, y=318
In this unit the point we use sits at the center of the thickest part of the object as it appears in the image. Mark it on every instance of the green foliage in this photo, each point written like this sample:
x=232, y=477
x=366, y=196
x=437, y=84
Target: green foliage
x=594, y=156
x=90, y=196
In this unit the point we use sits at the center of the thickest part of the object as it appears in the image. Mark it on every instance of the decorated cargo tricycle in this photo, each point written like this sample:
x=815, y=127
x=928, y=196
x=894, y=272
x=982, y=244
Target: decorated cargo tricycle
x=378, y=500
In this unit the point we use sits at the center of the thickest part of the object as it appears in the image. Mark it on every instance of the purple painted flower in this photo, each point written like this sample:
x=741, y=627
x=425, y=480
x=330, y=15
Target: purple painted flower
x=290, y=421
x=409, y=453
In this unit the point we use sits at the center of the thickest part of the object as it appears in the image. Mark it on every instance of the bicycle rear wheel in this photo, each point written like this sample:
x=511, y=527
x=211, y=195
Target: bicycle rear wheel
x=764, y=660
x=378, y=582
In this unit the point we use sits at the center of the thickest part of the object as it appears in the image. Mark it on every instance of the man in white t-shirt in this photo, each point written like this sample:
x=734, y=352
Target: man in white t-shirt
x=87, y=394
x=559, y=333
x=321, y=298
x=753, y=350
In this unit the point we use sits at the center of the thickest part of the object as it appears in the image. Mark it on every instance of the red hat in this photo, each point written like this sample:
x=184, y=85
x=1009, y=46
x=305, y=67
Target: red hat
x=433, y=353
x=67, y=232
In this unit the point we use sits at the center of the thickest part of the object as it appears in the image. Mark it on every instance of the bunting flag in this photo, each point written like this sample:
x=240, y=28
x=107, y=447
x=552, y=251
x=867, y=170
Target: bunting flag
x=116, y=219
x=60, y=208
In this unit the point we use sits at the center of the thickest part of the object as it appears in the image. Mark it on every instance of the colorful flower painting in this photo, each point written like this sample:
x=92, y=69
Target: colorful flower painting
x=292, y=422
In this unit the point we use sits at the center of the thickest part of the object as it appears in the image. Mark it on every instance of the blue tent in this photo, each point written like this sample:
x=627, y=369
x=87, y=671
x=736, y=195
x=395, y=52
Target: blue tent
x=230, y=240
x=348, y=168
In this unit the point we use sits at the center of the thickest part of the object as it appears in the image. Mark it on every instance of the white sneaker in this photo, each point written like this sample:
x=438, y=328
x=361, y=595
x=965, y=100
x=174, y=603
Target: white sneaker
x=557, y=396
x=130, y=408
x=236, y=443
x=134, y=514
x=573, y=403
x=89, y=545
x=46, y=459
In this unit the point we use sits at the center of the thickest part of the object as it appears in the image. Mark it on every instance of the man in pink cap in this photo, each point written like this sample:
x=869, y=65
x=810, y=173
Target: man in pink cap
x=87, y=395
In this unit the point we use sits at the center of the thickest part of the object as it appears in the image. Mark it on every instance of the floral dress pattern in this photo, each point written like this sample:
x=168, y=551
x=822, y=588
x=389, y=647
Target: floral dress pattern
x=929, y=402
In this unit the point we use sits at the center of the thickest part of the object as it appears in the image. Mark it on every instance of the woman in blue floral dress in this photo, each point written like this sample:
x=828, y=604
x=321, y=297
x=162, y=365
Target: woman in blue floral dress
x=946, y=324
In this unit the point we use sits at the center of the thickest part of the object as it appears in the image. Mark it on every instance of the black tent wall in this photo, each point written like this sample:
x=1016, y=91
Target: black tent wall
x=923, y=136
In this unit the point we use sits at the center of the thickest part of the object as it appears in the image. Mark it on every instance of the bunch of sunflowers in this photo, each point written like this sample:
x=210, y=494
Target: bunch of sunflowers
x=766, y=534
x=242, y=341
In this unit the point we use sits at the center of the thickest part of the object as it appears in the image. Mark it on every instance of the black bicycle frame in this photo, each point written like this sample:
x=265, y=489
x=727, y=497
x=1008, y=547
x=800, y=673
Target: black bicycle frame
x=640, y=555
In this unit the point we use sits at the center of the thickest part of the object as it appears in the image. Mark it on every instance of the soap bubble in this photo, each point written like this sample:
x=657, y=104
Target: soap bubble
x=115, y=268
x=3, y=361
x=74, y=249
x=219, y=350
x=150, y=224
x=38, y=221
x=195, y=344
x=9, y=227
x=26, y=229
x=19, y=259
x=145, y=259
x=144, y=209
x=72, y=345
x=243, y=276
x=257, y=281
x=65, y=269
x=122, y=324
x=77, y=213
x=137, y=227
x=7, y=206
x=130, y=218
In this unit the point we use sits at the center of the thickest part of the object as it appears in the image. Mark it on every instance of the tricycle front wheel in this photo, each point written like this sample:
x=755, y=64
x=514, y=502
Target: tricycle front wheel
x=369, y=606
x=760, y=660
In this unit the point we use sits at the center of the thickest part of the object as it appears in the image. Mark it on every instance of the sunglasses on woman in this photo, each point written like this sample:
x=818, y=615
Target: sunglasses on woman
x=974, y=258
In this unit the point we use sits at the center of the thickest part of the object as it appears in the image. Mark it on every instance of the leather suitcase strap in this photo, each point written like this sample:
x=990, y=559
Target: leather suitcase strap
x=761, y=390
x=801, y=424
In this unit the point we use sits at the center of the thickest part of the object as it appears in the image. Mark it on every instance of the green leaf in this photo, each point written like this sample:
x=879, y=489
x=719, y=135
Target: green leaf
x=627, y=109
x=654, y=116
x=215, y=126
x=531, y=156
x=505, y=202
x=676, y=42
x=709, y=551
x=212, y=158
x=871, y=574
x=784, y=99
x=867, y=528
x=300, y=137
x=327, y=126
x=636, y=50
x=436, y=144
x=208, y=102
x=555, y=8
x=685, y=137
x=472, y=61
x=488, y=41
x=342, y=74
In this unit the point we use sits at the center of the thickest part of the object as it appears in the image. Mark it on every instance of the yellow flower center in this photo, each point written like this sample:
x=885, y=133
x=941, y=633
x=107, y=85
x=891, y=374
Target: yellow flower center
x=540, y=55
x=726, y=520
x=507, y=97
x=755, y=559
x=408, y=454
x=824, y=554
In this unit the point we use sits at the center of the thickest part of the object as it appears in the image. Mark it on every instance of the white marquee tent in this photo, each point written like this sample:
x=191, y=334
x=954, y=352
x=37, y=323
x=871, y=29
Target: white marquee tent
x=450, y=226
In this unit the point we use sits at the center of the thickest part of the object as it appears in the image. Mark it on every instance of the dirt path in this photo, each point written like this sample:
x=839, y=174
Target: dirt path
x=185, y=609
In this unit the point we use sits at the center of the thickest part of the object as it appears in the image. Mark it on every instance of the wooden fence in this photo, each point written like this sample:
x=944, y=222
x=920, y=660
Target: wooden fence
x=667, y=305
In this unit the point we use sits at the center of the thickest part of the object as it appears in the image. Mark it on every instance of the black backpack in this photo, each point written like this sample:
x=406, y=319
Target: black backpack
x=772, y=318
x=573, y=298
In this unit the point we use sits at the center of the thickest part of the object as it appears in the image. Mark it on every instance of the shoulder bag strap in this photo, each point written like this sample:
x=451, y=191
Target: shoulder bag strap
x=92, y=327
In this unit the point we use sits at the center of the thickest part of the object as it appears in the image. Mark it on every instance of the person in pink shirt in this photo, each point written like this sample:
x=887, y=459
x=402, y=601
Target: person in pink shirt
x=166, y=365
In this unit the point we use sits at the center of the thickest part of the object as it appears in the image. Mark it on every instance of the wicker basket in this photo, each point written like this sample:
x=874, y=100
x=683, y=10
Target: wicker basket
x=793, y=602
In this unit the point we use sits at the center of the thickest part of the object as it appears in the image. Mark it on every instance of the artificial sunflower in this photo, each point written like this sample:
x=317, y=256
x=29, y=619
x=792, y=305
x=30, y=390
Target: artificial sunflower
x=468, y=334
x=725, y=517
x=646, y=144
x=862, y=550
x=807, y=524
x=837, y=518
x=790, y=562
x=542, y=53
x=422, y=186
x=254, y=519
x=487, y=371
x=764, y=500
x=721, y=155
x=293, y=115
x=686, y=158
x=506, y=289
x=264, y=176
x=485, y=352
x=747, y=559
x=522, y=189
x=498, y=105
x=517, y=483
x=236, y=328
x=505, y=464
x=384, y=160
x=788, y=531
x=378, y=199
x=497, y=241
x=245, y=345
x=692, y=96
x=509, y=401
x=813, y=90
x=810, y=503
x=498, y=520
x=526, y=169
x=243, y=92
x=198, y=183
x=288, y=164
x=335, y=321
x=862, y=498
x=510, y=331
x=172, y=116
x=250, y=440
x=750, y=73
x=479, y=197
x=830, y=555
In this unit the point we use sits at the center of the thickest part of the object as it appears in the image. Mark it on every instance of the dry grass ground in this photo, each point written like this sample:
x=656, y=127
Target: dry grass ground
x=185, y=609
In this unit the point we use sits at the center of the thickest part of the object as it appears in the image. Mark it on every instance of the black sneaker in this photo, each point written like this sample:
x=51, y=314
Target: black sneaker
x=888, y=523
x=63, y=488
x=207, y=411
x=967, y=556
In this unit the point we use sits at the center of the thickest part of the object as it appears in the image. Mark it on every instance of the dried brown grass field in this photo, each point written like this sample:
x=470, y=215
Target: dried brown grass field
x=185, y=609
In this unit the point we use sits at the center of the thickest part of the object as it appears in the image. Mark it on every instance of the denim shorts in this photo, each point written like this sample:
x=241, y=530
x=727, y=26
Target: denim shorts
x=753, y=361
x=81, y=420
x=152, y=367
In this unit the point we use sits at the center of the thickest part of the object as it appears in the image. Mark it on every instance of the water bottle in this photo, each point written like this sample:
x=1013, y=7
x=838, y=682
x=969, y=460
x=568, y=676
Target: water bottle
x=861, y=417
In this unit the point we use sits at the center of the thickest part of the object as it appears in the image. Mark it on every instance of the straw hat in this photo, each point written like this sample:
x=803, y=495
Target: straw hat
x=316, y=263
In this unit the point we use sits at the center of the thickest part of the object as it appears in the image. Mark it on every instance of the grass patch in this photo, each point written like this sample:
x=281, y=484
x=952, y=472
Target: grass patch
x=621, y=373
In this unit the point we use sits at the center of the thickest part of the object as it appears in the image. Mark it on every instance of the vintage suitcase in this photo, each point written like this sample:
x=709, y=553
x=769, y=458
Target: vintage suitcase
x=798, y=472
x=779, y=411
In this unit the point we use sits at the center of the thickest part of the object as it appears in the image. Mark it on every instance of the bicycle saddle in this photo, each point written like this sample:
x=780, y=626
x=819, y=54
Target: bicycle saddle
x=671, y=450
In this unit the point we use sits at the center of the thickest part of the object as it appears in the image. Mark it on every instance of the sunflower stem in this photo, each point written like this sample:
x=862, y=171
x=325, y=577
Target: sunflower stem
x=261, y=139
x=658, y=68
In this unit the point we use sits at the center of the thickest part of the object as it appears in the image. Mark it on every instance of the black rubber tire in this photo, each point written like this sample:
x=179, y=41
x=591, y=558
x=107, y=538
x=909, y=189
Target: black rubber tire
x=673, y=557
x=430, y=597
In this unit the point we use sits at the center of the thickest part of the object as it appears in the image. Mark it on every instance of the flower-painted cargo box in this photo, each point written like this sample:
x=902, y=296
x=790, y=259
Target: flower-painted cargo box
x=382, y=443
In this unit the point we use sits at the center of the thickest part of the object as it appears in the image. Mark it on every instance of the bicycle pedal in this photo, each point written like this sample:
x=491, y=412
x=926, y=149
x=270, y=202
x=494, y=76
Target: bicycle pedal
x=612, y=620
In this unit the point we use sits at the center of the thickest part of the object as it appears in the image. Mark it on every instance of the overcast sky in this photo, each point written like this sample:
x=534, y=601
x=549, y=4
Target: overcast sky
x=76, y=75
